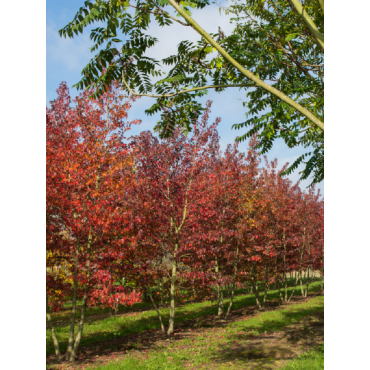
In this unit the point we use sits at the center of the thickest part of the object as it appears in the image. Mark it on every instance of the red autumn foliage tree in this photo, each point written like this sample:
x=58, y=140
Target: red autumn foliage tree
x=88, y=167
x=170, y=196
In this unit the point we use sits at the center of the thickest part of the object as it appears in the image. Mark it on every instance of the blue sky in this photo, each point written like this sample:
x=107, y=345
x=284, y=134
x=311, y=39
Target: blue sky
x=65, y=59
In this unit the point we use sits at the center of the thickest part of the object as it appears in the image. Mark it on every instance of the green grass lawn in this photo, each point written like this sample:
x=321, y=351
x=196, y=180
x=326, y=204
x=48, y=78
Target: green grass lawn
x=311, y=360
x=221, y=346
x=129, y=323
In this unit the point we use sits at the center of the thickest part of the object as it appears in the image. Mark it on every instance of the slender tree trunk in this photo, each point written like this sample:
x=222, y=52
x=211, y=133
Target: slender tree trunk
x=231, y=299
x=84, y=302
x=255, y=287
x=53, y=335
x=285, y=272
x=307, y=281
x=291, y=295
x=279, y=288
x=160, y=288
x=276, y=276
x=220, y=297
x=220, y=301
x=171, y=325
x=159, y=314
x=308, y=273
x=80, y=328
x=74, y=299
x=300, y=266
x=294, y=287
x=301, y=281
x=285, y=282
x=266, y=284
x=233, y=284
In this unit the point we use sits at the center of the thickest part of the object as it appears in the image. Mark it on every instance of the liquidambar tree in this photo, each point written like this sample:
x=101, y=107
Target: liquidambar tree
x=170, y=181
x=88, y=167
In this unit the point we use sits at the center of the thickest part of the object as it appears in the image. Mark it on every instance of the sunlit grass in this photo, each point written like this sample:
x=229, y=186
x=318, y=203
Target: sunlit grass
x=211, y=346
x=130, y=323
x=311, y=360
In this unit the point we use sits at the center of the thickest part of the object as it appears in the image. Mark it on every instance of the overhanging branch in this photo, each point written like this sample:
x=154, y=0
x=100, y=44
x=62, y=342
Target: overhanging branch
x=185, y=91
x=245, y=72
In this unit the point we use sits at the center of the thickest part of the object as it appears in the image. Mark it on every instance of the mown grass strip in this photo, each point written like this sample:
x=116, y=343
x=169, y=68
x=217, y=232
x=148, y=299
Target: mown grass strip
x=217, y=346
x=128, y=324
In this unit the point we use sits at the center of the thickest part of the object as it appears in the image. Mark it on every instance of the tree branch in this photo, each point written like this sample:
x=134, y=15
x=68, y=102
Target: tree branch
x=247, y=73
x=163, y=12
x=185, y=91
x=310, y=23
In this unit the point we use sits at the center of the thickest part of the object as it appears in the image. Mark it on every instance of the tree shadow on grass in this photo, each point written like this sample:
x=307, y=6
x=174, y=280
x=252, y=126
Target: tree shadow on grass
x=259, y=345
x=186, y=316
x=142, y=333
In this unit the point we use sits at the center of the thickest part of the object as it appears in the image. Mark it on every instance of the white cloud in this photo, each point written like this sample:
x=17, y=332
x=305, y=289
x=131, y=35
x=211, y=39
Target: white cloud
x=70, y=53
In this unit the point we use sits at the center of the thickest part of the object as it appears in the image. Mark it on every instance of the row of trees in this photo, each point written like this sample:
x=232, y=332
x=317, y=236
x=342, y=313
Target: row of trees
x=175, y=218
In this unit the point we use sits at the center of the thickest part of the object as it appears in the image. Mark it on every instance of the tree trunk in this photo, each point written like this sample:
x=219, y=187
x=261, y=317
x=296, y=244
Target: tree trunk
x=291, y=295
x=266, y=284
x=307, y=281
x=84, y=301
x=301, y=262
x=231, y=299
x=220, y=296
x=255, y=287
x=308, y=273
x=53, y=335
x=279, y=289
x=171, y=324
x=159, y=314
x=276, y=276
x=285, y=272
x=74, y=299
x=220, y=301
x=80, y=329
x=294, y=288
x=233, y=284
x=160, y=288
